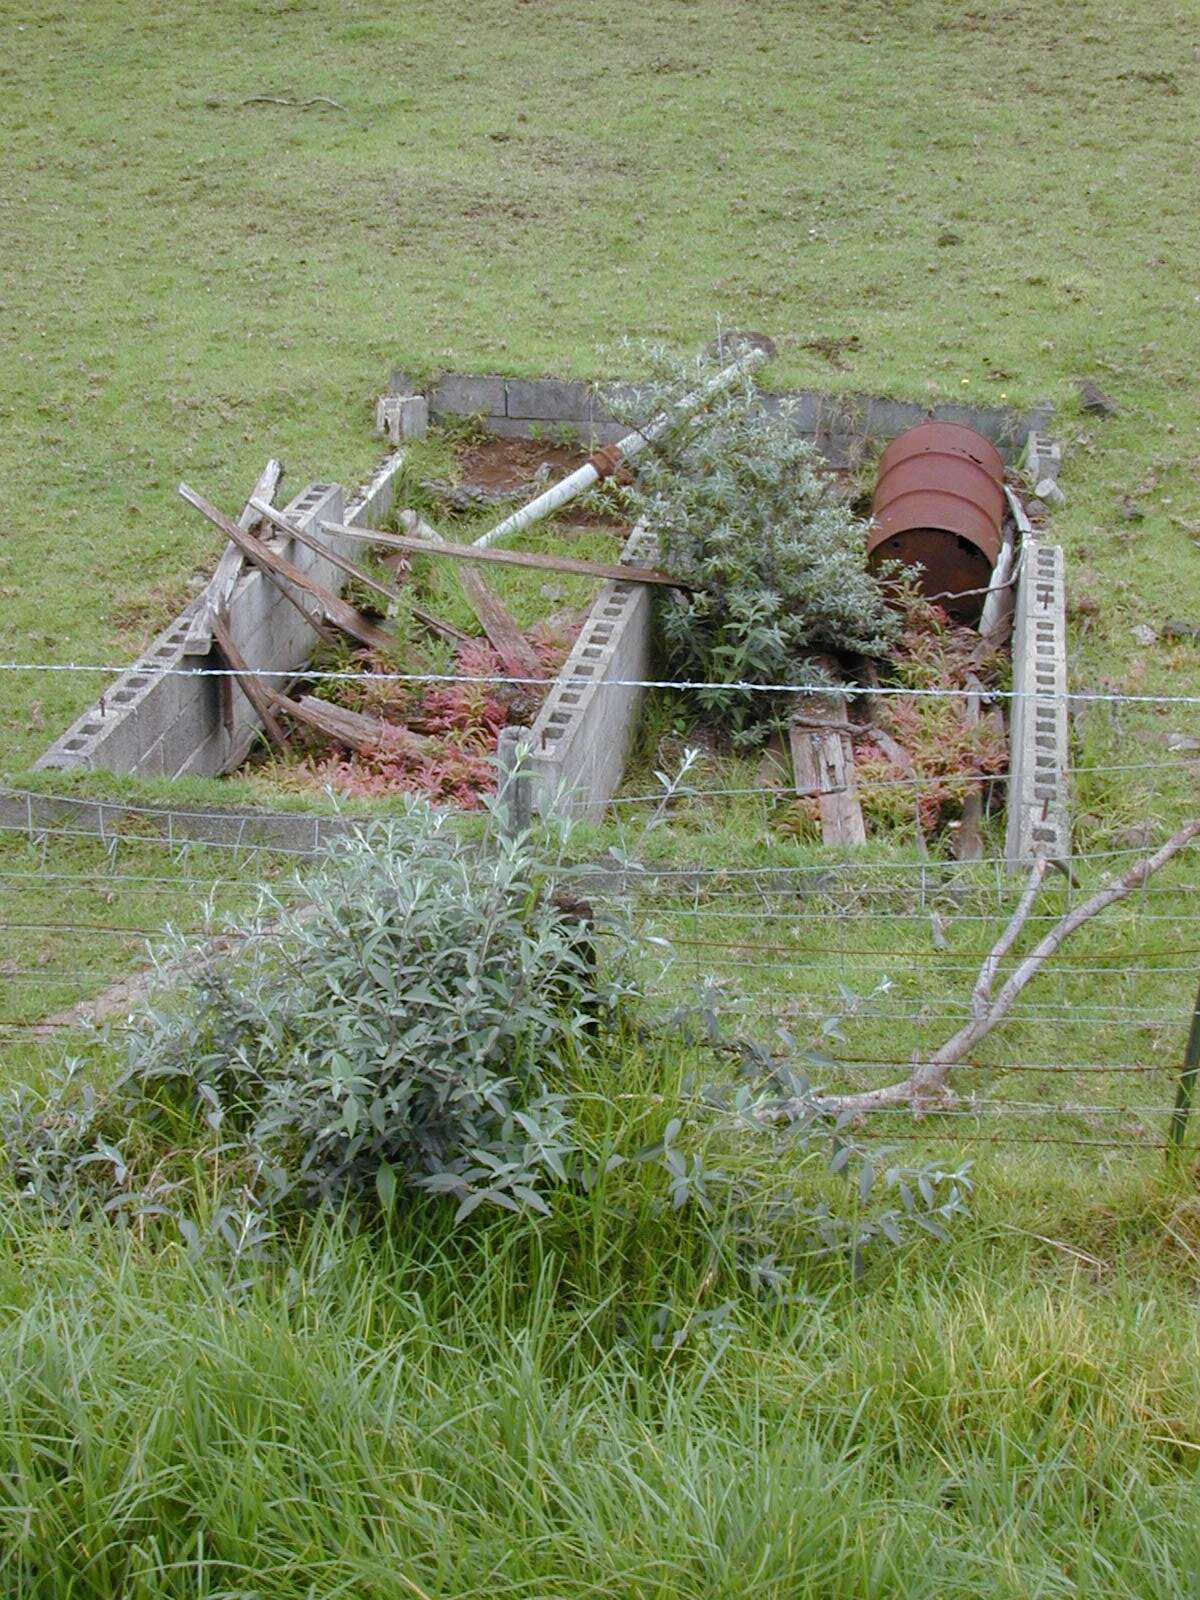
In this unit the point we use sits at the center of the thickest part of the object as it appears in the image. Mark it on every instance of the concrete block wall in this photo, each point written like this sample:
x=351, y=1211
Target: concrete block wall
x=835, y=423
x=162, y=717
x=583, y=733
x=1038, y=820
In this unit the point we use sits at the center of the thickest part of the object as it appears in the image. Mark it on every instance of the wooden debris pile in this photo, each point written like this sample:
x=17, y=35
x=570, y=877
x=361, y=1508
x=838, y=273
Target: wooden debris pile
x=374, y=728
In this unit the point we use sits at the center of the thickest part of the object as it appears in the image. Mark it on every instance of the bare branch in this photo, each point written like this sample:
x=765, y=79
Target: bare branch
x=925, y=1088
x=982, y=995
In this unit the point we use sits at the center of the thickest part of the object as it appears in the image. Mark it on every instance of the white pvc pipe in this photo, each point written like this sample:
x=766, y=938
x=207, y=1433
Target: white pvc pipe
x=583, y=477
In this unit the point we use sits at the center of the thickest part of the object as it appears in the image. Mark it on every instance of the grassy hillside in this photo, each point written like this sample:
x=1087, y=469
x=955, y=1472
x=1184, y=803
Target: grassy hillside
x=989, y=203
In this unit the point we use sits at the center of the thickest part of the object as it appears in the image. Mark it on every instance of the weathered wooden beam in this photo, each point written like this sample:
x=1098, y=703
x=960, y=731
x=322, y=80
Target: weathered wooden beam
x=611, y=571
x=323, y=549
x=367, y=735
x=823, y=764
x=338, y=611
x=447, y=630
x=259, y=695
x=516, y=654
x=217, y=592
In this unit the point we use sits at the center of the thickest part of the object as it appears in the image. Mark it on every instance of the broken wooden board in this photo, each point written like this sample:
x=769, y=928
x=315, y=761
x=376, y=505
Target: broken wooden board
x=259, y=695
x=516, y=654
x=823, y=765
x=337, y=611
x=367, y=735
x=322, y=548
x=445, y=630
x=968, y=837
x=217, y=592
x=611, y=571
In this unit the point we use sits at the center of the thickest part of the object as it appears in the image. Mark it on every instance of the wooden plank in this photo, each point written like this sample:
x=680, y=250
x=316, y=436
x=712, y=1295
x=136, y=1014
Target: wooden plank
x=968, y=836
x=334, y=557
x=217, y=592
x=892, y=749
x=612, y=571
x=364, y=734
x=259, y=696
x=337, y=611
x=516, y=654
x=447, y=630
x=823, y=764
x=367, y=735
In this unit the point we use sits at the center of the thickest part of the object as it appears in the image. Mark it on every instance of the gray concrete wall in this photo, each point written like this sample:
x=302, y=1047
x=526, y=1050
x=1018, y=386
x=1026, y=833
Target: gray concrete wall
x=235, y=829
x=837, y=424
x=1038, y=820
x=162, y=717
x=583, y=733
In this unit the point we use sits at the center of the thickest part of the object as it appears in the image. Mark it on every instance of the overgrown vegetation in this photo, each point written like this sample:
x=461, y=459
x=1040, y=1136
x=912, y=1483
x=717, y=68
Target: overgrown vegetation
x=774, y=557
x=425, y=1410
x=426, y=1013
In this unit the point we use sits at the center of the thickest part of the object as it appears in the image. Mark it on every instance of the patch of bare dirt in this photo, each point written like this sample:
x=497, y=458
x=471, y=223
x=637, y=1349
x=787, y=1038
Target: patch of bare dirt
x=510, y=464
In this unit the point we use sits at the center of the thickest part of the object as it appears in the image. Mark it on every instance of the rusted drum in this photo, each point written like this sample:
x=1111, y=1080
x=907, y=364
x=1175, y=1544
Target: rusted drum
x=939, y=504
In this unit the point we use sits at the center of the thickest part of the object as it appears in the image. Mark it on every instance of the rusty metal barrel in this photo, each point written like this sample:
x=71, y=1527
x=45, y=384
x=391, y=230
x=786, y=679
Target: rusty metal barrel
x=939, y=504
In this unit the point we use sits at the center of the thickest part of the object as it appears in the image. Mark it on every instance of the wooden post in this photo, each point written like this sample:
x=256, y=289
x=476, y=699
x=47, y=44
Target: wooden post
x=514, y=782
x=823, y=764
x=1187, y=1086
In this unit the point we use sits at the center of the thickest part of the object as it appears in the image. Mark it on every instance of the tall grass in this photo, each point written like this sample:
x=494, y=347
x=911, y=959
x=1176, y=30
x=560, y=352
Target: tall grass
x=421, y=1413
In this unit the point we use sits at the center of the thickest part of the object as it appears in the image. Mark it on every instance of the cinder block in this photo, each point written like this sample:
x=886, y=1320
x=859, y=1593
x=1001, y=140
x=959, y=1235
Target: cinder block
x=155, y=719
x=462, y=394
x=886, y=418
x=550, y=400
x=373, y=501
x=1038, y=820
x=583, y=733
x=401, y=416
x=1043, y=457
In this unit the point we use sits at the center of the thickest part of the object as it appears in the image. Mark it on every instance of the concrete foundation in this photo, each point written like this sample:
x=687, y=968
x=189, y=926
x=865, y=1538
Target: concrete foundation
x=162, y=717
x=837, y=424
x=583, y=733
x=1038, y=821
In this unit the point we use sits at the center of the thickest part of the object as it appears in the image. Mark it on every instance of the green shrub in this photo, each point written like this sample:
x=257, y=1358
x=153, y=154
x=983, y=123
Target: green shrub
x=432, y=1013
x=775, y=557
x=414, y=1021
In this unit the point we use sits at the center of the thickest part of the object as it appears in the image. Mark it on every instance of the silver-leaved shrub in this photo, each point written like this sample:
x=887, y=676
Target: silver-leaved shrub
x=774, y=556
x=409, y=1016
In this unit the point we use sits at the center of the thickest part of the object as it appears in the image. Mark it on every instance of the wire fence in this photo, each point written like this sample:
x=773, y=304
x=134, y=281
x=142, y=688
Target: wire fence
x=852, y=966
x=852, y=969
x=815, y=688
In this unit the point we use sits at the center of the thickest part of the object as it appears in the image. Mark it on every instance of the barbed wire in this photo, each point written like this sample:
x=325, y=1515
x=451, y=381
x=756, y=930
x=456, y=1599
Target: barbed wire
x=772, y=791
x=574, y=680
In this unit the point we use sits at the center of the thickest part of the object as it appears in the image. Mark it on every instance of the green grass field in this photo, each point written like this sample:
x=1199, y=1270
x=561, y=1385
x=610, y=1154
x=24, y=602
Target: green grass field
x=992, y=204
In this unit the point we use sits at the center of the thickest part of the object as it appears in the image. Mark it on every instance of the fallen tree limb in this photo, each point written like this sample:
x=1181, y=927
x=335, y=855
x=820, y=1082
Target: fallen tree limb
x=925, y=1088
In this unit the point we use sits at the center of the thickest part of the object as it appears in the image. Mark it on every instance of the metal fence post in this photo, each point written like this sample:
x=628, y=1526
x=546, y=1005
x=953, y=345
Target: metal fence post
x=1187, y=1085
x=514, y=781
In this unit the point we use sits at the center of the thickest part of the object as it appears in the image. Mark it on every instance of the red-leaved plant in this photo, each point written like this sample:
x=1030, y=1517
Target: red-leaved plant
x=441, y=736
